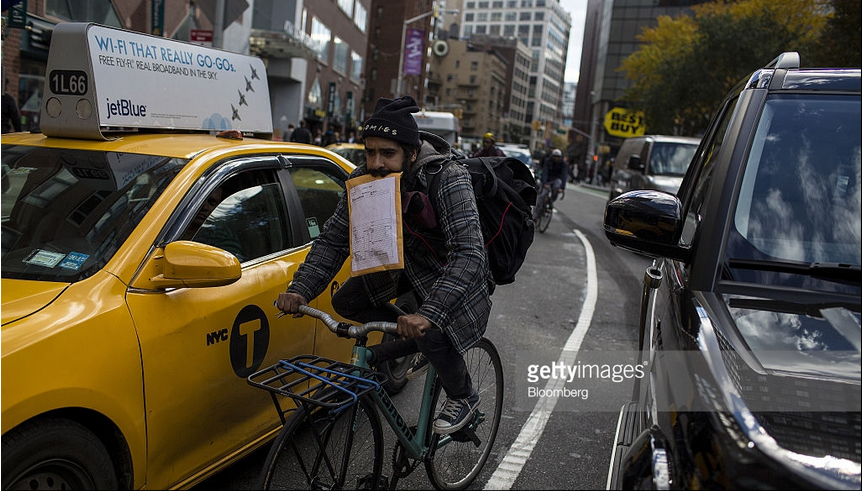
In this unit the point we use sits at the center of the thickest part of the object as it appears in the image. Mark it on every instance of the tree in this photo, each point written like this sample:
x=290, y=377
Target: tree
x=685, y=65
x=839, y=45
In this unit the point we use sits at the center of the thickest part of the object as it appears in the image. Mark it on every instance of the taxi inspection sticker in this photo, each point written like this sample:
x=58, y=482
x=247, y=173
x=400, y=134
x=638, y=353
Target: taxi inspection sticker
x=104, y=78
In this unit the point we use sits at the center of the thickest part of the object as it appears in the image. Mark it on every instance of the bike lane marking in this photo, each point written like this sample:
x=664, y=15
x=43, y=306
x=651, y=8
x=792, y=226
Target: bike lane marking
x=510, y=467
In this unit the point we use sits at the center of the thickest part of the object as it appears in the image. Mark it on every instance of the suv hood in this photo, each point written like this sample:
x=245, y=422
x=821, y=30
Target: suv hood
x=22, y=297
x=800, y=340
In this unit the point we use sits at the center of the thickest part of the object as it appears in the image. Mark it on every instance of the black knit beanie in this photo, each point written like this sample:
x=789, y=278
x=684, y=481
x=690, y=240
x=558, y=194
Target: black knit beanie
x=392, y=120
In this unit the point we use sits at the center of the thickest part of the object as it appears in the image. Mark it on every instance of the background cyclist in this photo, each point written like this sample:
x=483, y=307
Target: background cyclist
x=444, y=260
x=554, y=175
x=489, y=147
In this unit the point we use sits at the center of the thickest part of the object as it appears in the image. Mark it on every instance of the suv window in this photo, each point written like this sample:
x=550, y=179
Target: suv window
x=701, y=170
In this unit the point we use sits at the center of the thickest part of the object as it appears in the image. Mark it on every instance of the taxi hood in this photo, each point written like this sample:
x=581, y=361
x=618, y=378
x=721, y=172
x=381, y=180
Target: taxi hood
x=22, y=297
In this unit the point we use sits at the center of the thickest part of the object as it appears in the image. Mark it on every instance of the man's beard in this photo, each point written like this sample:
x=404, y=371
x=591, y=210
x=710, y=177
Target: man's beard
x=385, y=172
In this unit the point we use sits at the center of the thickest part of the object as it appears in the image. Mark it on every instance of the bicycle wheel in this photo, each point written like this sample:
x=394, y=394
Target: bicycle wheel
x=351, y=455
x=545, y=217
x=456, y=461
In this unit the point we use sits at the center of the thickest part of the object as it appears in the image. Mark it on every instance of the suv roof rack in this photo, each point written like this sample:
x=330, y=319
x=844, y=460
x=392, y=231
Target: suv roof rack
x=788, y=59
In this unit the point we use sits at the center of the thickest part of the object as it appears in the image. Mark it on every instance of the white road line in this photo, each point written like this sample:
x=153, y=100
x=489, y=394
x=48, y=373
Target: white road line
x=510, y=467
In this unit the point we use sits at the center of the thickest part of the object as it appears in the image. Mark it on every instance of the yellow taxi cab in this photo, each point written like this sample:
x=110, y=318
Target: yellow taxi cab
x=142, y=251
x=354, y=152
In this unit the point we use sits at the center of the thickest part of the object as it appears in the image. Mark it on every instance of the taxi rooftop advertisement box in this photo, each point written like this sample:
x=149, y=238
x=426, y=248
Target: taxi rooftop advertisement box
x=102, y=79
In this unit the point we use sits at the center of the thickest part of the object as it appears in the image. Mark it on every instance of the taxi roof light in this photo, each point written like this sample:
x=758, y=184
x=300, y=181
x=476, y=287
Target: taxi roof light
x=101, y=81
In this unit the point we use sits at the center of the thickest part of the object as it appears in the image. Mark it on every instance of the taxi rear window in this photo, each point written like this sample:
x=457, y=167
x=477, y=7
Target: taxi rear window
x=66, y=212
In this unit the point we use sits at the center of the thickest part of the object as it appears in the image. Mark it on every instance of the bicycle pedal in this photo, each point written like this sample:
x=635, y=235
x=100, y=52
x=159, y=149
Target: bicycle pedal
x=466, y=434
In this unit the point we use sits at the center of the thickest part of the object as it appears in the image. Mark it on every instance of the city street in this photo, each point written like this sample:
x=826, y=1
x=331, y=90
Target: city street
x=551, y=303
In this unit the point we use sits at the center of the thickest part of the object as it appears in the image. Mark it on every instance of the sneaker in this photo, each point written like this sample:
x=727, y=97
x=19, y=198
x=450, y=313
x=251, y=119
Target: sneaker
x=418, y=366
x=456, y=414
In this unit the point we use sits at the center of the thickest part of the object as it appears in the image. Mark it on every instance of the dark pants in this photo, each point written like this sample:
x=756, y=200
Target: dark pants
x=351, y=302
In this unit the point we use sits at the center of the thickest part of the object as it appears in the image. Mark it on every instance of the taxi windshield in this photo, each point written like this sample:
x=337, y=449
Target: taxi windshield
x=66, y=212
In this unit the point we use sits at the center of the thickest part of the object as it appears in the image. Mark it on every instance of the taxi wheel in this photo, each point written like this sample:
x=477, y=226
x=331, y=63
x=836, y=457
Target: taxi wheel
x=396, y=369
x=55, y=453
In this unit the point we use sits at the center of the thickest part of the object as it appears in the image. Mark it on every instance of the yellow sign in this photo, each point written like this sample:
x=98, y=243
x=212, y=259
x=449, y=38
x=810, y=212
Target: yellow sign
x=625, y=124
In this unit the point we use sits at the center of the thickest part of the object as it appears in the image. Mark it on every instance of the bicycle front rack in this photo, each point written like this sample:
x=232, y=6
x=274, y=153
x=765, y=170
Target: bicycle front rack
x=316, y=382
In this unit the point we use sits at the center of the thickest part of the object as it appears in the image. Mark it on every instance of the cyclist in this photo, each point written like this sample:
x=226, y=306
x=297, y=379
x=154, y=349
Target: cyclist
x=444, y=260
x=554, y=177
x=489, y=147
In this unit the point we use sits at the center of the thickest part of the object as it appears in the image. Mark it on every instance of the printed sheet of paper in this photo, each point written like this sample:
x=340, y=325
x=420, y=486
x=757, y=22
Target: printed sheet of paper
x=376, y=241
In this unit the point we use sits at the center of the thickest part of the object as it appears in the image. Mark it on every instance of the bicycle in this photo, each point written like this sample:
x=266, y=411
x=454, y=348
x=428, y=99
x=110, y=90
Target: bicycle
x=546, y=208
x=333, y=437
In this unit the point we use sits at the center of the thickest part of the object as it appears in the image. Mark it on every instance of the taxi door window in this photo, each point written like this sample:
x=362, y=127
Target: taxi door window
x=319, y=192
x=245, y=215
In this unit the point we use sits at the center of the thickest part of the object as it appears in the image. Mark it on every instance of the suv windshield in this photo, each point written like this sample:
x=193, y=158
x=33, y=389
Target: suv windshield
x=800, y=196
x=66, y=212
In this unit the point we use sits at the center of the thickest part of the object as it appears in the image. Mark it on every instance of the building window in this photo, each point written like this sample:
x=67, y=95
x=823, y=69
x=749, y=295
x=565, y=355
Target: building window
x=360, y=17
x=481, y=29
x=539, y=16
x=341, y=55
x=482, y=17
x=495, y=30
x=315, y=95
x=497, y=4
x=474, y=65
x=373, y=74
x=471, y=5
x=511, y=16
x=496, y=16
x=509, y=30
x=524, y=16
x=321, y=36
x=346, y=6
x=483, y=5
x=468, y=17
x=355, y=67
x=83, y=11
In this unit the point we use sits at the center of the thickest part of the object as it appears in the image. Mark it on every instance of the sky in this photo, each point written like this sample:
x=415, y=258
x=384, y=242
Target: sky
x=578, y=10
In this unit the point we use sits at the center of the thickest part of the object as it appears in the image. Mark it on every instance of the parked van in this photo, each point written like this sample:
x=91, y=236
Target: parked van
x=651, y=162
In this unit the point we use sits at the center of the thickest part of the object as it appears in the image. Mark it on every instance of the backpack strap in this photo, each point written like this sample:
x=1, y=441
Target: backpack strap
x=434, y=180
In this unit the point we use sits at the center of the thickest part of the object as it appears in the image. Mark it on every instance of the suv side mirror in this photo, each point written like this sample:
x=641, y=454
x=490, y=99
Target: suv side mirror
x=647, y=222
x=635, y=163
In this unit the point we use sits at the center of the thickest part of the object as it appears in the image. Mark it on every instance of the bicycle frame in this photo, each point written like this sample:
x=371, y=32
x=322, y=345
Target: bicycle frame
x=414, y=443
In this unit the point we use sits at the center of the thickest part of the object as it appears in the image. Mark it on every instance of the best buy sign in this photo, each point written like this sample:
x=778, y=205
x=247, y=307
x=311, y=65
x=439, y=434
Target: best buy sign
x=624, y=123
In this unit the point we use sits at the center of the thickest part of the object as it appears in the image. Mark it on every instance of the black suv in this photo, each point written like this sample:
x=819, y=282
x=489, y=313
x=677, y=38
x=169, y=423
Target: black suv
x=750, y=321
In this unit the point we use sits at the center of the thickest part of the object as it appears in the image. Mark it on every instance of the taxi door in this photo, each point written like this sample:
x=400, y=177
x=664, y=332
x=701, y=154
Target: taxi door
x=200, y=344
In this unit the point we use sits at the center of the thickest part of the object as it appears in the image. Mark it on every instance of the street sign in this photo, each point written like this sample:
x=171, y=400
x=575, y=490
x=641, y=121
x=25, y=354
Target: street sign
x=623, y=123
x=201, y=37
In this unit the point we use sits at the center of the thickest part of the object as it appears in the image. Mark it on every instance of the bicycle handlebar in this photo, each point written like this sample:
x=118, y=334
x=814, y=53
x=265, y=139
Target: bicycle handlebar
x=345, y=329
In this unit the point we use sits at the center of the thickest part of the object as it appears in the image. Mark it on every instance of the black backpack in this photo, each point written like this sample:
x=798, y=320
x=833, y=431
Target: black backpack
x=505, y=194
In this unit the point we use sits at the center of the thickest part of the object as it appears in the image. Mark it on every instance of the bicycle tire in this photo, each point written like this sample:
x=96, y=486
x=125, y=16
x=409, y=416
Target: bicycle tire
x=453, y=464
x=545, y=216
x=294, y=460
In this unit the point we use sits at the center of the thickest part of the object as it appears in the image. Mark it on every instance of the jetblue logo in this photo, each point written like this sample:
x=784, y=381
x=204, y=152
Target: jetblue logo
x=125, y=107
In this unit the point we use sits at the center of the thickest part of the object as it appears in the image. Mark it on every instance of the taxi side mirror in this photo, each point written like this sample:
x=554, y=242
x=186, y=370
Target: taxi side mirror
x=188, y=264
